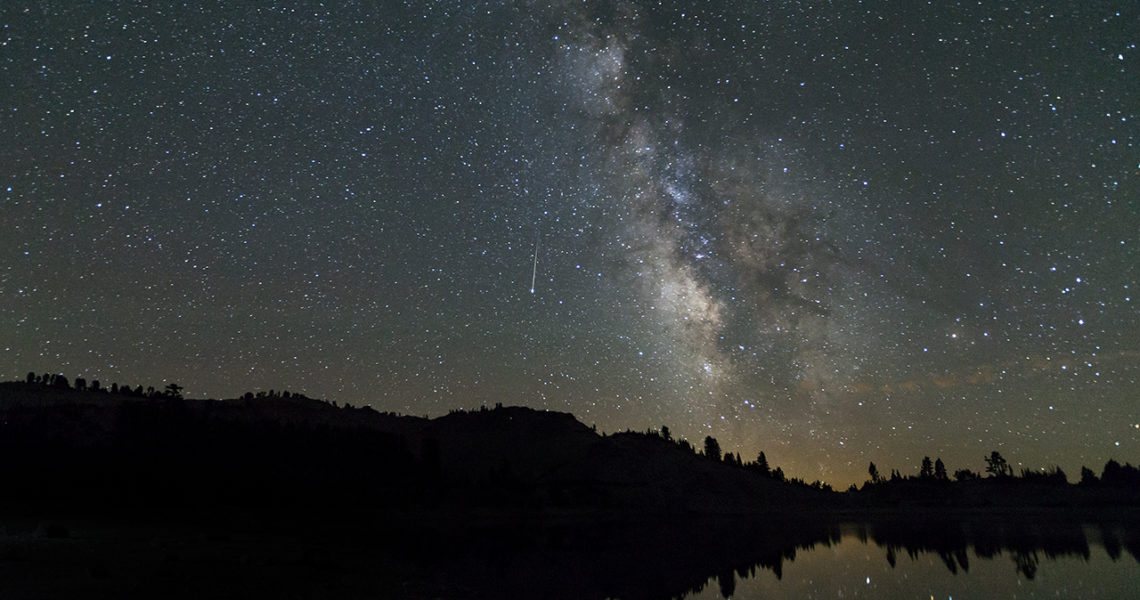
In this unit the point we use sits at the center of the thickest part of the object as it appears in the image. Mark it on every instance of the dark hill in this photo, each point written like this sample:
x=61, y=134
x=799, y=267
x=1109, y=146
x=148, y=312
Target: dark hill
x=288, y=496
x=504, y=445
x=96, y=451
x=633, y=469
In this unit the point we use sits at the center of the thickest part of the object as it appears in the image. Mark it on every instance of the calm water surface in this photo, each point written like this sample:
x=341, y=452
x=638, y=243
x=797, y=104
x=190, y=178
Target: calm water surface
x=1018, y=555
x=860, y=568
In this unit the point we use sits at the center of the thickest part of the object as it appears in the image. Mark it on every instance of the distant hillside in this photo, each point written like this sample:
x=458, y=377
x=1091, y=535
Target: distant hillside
x=84, y=450
x=283, y=495
x=95, y=451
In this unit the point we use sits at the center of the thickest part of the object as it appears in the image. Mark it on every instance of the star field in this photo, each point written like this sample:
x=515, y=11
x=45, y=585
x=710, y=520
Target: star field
x=866, y=232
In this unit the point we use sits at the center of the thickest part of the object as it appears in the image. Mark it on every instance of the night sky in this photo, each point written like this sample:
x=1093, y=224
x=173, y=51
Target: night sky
x=837, y=234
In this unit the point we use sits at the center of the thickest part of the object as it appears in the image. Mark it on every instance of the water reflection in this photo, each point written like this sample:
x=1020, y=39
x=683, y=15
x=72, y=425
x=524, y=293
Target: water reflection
x=633, y=561
x=628, y=557
x=950, y=540
x=710, y=558
x=909, y=558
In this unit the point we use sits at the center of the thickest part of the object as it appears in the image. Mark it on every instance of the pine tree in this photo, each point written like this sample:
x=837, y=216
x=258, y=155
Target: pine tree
x=997, y=466
x=712, y=448
x=762, y=465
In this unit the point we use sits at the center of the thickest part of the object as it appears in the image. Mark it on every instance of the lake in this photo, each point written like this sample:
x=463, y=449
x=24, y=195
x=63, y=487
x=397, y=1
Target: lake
x=859, y=567
x=1018, y=554
x=1046, y=554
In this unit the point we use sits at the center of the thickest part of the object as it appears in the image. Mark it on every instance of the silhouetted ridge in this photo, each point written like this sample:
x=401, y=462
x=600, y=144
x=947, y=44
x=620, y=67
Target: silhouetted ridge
x=509, y=502
x=285, y=452
x=506, y=445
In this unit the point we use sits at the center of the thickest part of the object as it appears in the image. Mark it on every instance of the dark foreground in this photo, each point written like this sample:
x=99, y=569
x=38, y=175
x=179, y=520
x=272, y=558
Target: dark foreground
x=590, y=557
x=111, y=495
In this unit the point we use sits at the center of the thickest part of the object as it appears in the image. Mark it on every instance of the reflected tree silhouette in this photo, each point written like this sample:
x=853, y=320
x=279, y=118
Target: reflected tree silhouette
x=727, y=581
x=1023, y=540
x=1026, y=563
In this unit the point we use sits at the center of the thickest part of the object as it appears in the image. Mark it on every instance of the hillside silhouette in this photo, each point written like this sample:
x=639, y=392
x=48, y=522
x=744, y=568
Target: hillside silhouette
x=141, y=490
x=100, y=450
x=273, y=453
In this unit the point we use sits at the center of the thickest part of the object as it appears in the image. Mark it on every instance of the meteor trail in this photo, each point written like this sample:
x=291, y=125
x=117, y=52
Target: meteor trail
x=534, y=269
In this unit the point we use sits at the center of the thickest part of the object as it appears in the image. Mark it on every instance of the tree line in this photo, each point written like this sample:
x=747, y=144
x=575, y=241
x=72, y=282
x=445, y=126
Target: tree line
x=172, y=390
x=930, y=470
x=999, y=469
x=712, y=450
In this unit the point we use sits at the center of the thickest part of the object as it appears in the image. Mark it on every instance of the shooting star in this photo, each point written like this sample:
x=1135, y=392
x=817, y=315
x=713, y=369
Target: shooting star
x=534, y=269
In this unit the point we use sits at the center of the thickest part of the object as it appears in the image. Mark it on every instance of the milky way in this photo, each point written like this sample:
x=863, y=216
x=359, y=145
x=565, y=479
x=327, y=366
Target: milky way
x=843, y=235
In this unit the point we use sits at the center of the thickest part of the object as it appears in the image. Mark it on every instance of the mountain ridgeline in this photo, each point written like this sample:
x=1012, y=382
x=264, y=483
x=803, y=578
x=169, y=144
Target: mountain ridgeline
x=124, y=450
x=94, y=450
x=275, y=494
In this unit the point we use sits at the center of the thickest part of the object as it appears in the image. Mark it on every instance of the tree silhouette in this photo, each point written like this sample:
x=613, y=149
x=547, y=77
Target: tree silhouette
x=926, y=471
x=873, y=471
x=712, y=448
x=1116, y=474
x=31, y=377
x=173, y=390
x=964, y=475
x=666, y=434
x=940, y=470
x=762, y=465
x=80, y=384
x=727, y=582
x=1088, y=477
x=1025, y=563
x=997, y=466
